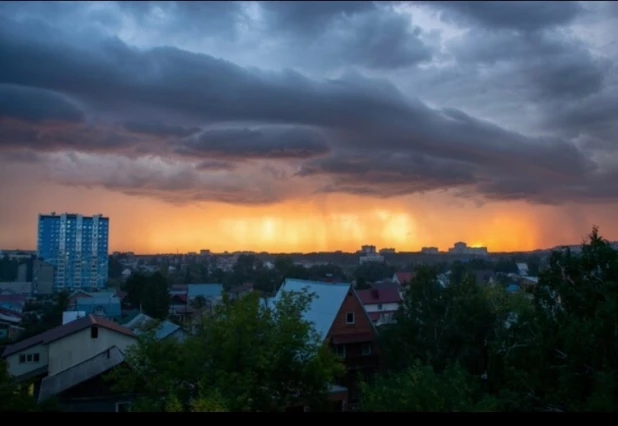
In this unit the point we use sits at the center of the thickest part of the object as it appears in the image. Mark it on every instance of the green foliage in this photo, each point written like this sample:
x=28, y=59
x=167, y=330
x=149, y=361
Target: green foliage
x=553, y=350
x=45, y=318
x=374, y=271
x=245, y=357
x=148, y=292
x=420, y=389
x=12, y=397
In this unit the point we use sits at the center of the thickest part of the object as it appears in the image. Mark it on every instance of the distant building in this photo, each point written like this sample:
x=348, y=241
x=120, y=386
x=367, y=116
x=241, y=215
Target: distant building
x=371, y=258
x=77, y=246
x=387, y=251
x=462, y=248
x=368, y=250
x=430, y=250
x=43, y=277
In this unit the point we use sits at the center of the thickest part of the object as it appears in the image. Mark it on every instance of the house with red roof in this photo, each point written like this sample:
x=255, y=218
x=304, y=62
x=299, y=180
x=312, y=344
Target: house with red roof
x=403, y=278
x=381, y=303
x=68, y=362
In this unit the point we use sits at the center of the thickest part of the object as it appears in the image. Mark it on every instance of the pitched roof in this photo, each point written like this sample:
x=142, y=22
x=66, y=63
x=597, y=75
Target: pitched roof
x=66, y=330
x=97, y=301
x=326, y=304
x=71, y=377
x=379, y=295
x=165, y=327
x=404, y=277
x=204, y=290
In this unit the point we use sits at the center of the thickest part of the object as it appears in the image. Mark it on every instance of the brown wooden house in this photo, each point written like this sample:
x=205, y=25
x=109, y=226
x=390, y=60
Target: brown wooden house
x=341, y=320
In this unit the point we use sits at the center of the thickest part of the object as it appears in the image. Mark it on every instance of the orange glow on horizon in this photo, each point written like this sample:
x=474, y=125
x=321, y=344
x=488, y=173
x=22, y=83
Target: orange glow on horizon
x=320, y=223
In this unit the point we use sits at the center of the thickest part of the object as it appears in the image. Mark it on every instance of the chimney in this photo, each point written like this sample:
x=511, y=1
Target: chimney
x=375, y=293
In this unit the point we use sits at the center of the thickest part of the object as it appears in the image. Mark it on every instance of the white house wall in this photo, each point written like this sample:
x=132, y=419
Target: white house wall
x=78, y=347
x=17, y=369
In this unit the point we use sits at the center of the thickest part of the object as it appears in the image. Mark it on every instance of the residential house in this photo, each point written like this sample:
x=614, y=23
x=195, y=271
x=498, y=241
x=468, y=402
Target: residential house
x=240, y=291
x=82, y=294
x=342, y=323
x=104, y=306
x=166, y=329
x=68, y=362
x=211, y=293
x=403, y=278
x=9, y=324
x=388, y=283
x=12, y=302
x=179, y=306
x=381, y=303
x=21, y=288
x=522, y=269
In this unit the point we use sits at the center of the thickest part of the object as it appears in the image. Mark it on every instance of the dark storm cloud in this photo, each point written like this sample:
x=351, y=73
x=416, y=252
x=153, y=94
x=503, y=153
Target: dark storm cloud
x=368, y=34
x=267, y=142
x=37, y=105
x=160, y=129
x=198, y=18
x=512, y=15
x=17, y=135
x=310, y=18
x=553, y=66
x=367, y=136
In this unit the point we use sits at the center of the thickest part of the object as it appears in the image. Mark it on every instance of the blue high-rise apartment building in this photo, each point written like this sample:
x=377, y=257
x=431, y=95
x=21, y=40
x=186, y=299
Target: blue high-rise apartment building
x=77, y=246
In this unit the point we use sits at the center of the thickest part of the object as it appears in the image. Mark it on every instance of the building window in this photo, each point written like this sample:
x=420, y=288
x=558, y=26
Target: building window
x=123, y=407
x=349, y=318
x=366, y=348
x=380, y=307
x=35, y=357
x=22, y=359
x=29, y=357
x=94, y=332
x=340, y=350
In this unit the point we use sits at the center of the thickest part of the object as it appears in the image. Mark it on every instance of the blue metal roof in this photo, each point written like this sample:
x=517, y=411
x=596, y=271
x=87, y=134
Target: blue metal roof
x=326, y=304
x=204, y=290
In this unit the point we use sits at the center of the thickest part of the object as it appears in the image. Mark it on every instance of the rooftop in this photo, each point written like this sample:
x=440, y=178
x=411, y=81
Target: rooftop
x=65, y=330
x=379, y=295
x=326, y=304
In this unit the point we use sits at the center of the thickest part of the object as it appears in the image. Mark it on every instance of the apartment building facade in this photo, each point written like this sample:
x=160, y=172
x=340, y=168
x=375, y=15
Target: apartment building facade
x=77, y=247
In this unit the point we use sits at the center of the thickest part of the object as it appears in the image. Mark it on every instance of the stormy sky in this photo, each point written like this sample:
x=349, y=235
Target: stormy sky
x=311, y=125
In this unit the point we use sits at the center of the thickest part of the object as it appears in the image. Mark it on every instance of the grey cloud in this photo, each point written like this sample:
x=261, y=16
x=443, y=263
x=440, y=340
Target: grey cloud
x=553, y=66
x=512, y=15
x=309, y=18
x=169, y=181
x=379, y=141
x=211, y=18
x=160, y=129
x=264, y=142
x=37, y=105
x=215, y=165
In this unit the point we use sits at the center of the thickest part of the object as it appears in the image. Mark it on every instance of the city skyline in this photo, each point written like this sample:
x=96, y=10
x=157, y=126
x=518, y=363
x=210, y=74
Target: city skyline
x=301, y=127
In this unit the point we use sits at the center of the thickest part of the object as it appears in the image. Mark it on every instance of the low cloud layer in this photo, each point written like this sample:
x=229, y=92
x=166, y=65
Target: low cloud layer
x=493, y=100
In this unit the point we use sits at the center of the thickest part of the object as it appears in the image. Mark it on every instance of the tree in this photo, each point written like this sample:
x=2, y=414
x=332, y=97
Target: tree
x=420, y=389
x=51, y=316
x=246, y=357
x=155, y=297
x=134, y=286
x=562, y=354
x=374, y=271
x=12, y=398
